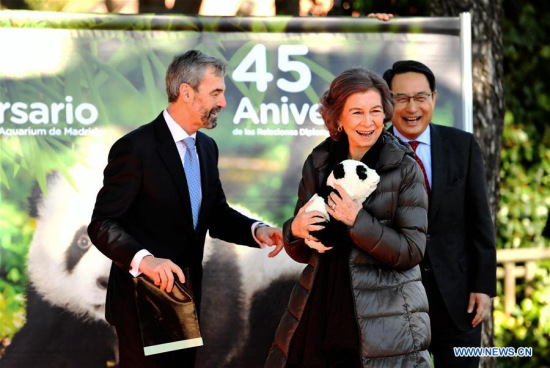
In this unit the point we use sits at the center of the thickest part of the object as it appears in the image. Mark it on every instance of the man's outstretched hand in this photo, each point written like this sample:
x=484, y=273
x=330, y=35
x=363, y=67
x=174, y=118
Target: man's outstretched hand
x=271, y=237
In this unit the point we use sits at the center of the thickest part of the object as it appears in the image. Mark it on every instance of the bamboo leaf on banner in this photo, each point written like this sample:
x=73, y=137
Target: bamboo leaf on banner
x=57, y=161
x=36, y=88
x=158, y=65
x=72, y=79
x=16, y=169
x=54, y=86
x=94, y=89
x=114, y=74
x=148, y=79
x=124, y=44
x=62, y=143
x=316, y=68
x=4, y=178
x=212, y=50
x=312, y=95
x=10, y=149
x=36, y=167
x=64, y=171
x=214, y=47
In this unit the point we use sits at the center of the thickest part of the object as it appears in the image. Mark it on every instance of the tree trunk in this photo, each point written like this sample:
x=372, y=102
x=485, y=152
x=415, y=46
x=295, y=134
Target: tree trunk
x=488, y=104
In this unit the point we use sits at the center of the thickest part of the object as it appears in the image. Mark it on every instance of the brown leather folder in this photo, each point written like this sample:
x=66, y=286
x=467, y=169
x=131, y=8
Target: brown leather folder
x=168, y=321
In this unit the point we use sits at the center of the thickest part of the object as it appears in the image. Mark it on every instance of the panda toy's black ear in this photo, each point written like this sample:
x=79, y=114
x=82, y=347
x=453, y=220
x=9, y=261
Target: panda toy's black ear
x=339, y=171
x=361, y=172
x=34, y=200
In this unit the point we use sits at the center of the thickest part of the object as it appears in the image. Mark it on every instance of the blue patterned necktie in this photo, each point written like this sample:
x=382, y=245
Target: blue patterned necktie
x=192, y=172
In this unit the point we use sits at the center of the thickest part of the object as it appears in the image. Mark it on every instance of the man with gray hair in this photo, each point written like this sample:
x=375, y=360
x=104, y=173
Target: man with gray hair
x=161, y=194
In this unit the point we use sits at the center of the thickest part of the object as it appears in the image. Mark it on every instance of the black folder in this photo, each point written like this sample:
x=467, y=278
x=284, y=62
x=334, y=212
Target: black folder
x=168, y=321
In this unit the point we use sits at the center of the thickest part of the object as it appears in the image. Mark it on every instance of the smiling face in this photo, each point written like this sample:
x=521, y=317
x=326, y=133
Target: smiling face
x=209, y=99
x=412, y=115
x=362, y=119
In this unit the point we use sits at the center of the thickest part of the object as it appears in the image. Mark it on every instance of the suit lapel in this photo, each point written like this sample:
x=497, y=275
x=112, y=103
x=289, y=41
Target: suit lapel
x=169, y=155
x=439, y=171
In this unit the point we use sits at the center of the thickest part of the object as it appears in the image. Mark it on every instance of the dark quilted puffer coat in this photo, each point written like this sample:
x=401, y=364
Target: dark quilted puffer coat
x=389, y=237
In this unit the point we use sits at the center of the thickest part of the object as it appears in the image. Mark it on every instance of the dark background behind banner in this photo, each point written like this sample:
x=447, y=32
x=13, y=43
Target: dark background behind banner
x=71, y=85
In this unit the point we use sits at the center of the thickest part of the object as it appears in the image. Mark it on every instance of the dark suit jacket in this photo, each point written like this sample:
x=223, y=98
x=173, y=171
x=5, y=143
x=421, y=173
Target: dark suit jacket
x=461, y=242
x=144, y=204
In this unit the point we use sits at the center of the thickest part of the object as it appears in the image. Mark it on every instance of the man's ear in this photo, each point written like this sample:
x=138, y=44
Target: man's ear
x=434, y=96
x=186, y=92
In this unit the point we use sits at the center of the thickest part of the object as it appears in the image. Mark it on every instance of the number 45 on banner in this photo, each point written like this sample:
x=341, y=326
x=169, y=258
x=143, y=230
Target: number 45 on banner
x=258, y=56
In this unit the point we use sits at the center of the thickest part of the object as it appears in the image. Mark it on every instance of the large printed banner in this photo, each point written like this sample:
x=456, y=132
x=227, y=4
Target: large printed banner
x=72, y=84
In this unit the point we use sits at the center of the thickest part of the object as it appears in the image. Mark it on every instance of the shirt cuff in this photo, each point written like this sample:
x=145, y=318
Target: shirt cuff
x=254, y=227
x=136, y=261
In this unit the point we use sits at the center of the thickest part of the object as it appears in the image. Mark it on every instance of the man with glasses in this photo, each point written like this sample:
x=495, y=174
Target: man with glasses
x=459, y=266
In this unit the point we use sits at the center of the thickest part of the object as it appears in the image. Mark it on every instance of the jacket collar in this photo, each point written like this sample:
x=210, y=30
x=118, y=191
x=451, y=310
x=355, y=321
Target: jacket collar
x=393, y=152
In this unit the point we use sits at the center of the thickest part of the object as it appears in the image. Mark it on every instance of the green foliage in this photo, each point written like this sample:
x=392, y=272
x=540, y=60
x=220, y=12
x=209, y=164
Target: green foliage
x=525, y=175
x=12, y=309
x=15, y=235
x=525, y=171
x=16, y=229
x=529, y=324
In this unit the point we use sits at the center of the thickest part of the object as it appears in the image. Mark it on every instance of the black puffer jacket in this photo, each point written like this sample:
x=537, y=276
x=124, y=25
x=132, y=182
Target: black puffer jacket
x=390, y=237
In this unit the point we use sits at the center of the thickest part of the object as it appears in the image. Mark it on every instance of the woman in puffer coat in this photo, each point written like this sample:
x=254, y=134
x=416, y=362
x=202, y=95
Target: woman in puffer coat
x=358, y=303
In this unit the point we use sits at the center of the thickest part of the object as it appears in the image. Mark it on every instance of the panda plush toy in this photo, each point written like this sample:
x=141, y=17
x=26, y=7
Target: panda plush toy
x=358, y=180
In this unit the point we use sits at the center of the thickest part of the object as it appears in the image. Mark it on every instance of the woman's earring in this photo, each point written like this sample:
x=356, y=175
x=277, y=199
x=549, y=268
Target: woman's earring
x=339, y=129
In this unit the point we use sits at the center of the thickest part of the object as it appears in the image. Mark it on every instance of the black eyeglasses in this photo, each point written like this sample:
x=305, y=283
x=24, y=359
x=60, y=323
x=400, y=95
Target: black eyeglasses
x=419, y=98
